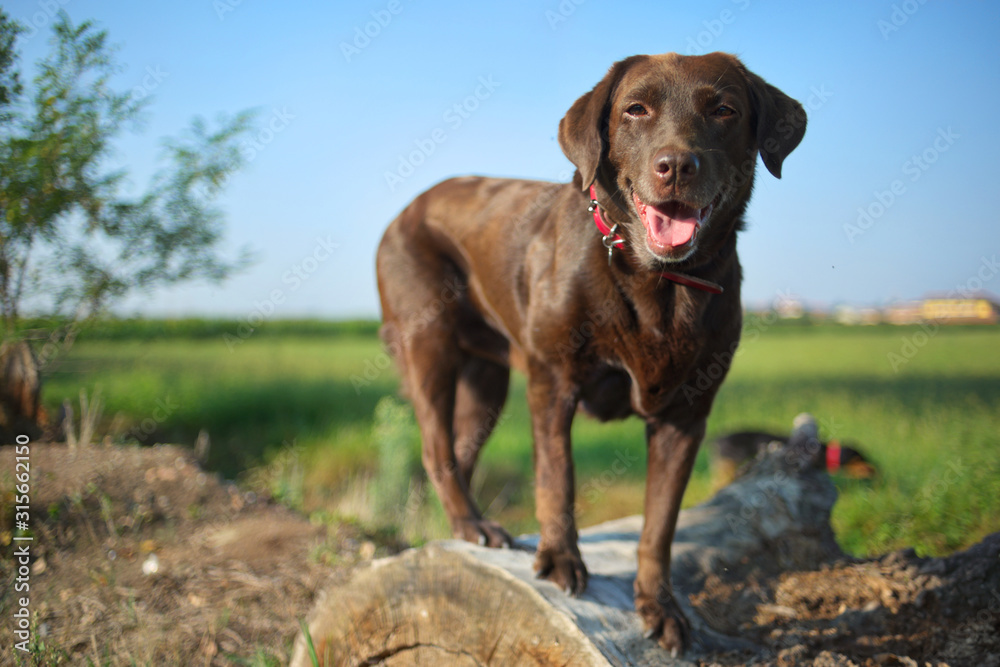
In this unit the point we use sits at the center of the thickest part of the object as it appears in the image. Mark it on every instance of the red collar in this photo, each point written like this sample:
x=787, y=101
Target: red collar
x=833, y=456
x=611, y=239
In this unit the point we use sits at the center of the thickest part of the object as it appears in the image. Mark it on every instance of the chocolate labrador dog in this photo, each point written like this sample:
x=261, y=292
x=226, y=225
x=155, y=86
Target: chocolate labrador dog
x=610, y=293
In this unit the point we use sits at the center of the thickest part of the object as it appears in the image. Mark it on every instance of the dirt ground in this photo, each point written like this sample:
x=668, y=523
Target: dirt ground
x=895, y=610
x=142, y=558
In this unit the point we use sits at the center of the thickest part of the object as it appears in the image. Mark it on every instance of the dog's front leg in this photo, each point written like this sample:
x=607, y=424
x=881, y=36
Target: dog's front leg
x=553, y=404
x=671, y=451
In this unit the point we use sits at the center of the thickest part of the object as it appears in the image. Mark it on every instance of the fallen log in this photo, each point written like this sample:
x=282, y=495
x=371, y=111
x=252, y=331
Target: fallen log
x=455, y=603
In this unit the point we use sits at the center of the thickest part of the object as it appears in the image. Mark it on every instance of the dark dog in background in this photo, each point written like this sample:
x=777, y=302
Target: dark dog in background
x=731, y=453
x=613, y=305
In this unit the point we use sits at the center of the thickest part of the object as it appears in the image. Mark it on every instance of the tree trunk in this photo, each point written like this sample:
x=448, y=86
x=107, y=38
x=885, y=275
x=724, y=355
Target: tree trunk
x=454, y=603
x=21, y=413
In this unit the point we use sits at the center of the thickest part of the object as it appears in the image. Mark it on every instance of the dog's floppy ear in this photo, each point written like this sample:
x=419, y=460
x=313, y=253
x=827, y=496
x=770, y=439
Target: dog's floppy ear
x=583, y=130
x=781, y=122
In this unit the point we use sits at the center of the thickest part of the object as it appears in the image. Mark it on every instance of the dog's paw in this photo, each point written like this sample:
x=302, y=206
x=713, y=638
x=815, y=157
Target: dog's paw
x=665, y=622
x=482, y=532
x=563, y=567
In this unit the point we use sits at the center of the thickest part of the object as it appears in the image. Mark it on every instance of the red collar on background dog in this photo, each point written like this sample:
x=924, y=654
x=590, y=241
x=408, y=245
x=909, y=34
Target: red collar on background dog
x=833, y=456
x=611, y=239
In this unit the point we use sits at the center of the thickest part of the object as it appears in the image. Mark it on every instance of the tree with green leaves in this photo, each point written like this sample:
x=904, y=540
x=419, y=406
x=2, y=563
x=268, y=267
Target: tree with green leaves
x=71, y=243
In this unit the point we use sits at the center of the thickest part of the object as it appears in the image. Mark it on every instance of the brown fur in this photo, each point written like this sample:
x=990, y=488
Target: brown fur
x=479, y=275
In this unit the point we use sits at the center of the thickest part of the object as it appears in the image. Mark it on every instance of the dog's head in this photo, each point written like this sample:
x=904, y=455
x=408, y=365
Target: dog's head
x=675, y=139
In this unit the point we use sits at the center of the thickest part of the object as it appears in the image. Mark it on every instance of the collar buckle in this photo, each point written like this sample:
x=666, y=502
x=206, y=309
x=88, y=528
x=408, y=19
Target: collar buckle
x=611, y=239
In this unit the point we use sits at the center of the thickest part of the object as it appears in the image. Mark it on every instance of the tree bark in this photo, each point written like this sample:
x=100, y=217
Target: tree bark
x=21, y=413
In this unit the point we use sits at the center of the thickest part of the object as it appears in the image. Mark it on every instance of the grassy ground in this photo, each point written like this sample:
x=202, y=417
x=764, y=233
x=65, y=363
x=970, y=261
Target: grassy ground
x=300, y=411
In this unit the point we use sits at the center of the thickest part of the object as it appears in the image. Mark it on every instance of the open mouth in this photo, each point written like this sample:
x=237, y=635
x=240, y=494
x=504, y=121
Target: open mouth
x=672, y=224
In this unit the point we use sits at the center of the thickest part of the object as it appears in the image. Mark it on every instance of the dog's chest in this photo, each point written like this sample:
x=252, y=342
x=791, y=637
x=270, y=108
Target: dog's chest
x=640, y=374
x=657, y=371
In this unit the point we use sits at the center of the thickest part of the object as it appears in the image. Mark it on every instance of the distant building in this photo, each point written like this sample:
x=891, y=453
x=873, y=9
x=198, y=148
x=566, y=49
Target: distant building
x=852, y=315
x=819, y=315
x=905, y=312
x=844, y=314
x=789, y=309
x=870, y=316
x=982, y=308
x=977, y=309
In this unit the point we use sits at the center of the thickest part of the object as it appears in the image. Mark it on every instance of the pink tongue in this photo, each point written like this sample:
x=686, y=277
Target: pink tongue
x=672, y=226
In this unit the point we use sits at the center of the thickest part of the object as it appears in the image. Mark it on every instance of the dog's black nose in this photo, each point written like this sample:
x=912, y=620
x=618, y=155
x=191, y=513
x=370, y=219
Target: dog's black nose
x=673, y=166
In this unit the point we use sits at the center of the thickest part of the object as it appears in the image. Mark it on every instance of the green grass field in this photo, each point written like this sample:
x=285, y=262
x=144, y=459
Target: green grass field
x=297, y=412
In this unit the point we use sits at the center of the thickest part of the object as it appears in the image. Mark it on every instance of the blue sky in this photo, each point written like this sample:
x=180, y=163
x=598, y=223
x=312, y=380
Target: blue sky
x=902, y=99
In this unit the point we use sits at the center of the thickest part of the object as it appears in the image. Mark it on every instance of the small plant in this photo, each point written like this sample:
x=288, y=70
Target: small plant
x=261, y=658
x=326, y=554
x=395, y=435
x=90, y=414
x=107, y=513
x=309, y=644
x=283, y=477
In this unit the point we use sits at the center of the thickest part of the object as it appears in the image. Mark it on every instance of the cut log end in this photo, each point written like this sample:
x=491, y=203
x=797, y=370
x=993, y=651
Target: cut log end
x=440, y=605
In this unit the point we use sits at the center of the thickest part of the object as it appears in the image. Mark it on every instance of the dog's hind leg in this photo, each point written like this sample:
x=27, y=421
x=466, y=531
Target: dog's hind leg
x=421, y=296
x=479, y=399
x=436, y=379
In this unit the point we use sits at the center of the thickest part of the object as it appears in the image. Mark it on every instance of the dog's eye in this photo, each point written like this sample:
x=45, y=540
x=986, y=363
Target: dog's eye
x=722, y=111
x=637, y=110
